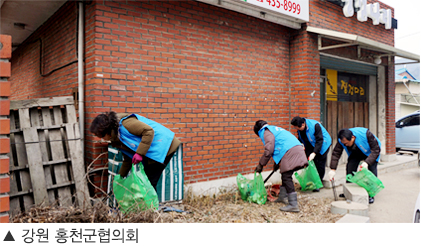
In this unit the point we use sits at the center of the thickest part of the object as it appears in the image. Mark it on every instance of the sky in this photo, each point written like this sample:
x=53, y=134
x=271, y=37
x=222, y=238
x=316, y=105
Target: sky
x=408, y=34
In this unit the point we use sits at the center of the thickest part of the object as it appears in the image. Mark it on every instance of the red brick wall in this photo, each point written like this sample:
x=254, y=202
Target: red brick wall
x=324, y=14
x=5, y=55
x=305, y=75
x=390, y=108
x=204, y=72
x=34, y=77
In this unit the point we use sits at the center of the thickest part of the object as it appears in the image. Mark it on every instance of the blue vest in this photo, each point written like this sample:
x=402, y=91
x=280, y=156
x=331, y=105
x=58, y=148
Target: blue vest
x=361, y=141
x=327, y=140
x=161, y=141
x=284, y=141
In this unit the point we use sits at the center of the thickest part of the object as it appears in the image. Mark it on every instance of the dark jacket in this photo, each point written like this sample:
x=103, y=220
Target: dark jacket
x=371, y=159
x=318, y=135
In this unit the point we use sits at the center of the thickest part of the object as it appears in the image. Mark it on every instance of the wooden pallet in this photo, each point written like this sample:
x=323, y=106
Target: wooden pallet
x=46, y=164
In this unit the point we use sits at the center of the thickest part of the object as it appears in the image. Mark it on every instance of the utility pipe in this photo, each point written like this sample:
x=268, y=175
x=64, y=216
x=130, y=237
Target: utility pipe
x=81, y=89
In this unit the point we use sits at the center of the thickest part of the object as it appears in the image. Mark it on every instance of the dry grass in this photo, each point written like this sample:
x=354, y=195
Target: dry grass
x=224, y=207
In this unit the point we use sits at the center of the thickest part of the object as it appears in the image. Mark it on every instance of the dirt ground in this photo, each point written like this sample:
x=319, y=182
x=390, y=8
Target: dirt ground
x=224, y=207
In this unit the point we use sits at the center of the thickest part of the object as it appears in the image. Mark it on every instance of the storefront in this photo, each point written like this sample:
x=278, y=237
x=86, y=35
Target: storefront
x=209, y=69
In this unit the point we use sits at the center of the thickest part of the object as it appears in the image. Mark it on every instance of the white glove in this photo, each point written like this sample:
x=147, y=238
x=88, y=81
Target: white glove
x=311, y=156
x=362, y=165
x=331, y=174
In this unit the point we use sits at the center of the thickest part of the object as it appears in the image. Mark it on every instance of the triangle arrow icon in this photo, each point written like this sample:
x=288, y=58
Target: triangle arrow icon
x=9, y=237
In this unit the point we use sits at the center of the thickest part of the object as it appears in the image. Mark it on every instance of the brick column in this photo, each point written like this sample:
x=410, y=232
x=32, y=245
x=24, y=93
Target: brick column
x=304, y=75
x=5, y=70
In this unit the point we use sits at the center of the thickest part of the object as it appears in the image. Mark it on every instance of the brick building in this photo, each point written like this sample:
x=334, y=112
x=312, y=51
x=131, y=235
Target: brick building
x=209, y=69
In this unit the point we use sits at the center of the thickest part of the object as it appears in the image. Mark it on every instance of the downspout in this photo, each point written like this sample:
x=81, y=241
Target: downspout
x=81, y=88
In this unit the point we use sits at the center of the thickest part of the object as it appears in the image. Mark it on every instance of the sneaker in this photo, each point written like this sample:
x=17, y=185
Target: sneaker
x=370, y=200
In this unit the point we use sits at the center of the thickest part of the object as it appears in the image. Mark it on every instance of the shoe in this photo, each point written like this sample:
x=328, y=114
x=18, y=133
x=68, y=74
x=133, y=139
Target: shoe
x=292, y=203
x=316, y=190
x=282, y=197
x=370, y=200
x=342, y=195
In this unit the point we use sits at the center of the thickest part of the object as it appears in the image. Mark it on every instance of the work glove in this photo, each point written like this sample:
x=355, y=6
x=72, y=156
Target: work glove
x=311, y=156
x=136, y=158
x=259, y=168
x=362, y=165
x=331, y=174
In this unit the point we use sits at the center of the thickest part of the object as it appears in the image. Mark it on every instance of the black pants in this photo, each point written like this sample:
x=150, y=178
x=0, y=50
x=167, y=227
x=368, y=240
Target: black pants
x=352, y=166
x=320, y=162
x=287, y=181
x=154, y=169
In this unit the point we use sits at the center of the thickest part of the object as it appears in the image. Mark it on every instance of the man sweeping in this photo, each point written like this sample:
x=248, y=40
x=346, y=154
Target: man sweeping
x=288, y=155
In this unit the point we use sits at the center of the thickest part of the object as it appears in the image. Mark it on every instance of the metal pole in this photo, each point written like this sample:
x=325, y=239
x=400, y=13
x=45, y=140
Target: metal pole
x=81, y=89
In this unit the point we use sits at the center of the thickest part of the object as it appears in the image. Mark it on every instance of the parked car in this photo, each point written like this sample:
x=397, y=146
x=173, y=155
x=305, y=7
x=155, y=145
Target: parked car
x=407, y=132
x=417, y=211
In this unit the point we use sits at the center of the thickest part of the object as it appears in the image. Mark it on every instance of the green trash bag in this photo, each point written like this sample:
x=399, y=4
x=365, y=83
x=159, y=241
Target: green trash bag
x=366, y=179
x=252, y=190
x=135, y=192
x=309, y=178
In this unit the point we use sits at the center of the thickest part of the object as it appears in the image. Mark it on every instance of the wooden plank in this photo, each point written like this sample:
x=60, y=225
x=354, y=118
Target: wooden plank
x=33, y=150
x=78, y=166
x=331, y=120
x=41, y=102
x=22, y=158
x=48, y=170
x=46, y=121
x=348, y=121
x=36, y=123
x=356, y=115
x=45, y=164
x=64, y=184
x=360, y=113
x=40, y=128
x=341, y=123
x=366, y=115
x=335, y=120
x=14, y=202
x=71, y=114
x=342, y=118
x=57, y=153
x=330, y=117
x=24, y=120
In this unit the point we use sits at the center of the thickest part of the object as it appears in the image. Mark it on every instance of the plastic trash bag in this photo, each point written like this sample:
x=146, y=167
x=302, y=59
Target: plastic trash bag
x=252, y=190
x=366, y=179
x=135, y=192
x=309, y=178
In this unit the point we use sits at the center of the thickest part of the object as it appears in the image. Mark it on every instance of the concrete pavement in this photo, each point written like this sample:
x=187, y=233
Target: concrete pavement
x=395, y=203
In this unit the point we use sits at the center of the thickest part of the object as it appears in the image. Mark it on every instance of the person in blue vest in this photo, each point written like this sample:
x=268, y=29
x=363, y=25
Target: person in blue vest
x=288, y=155
x=316, y=142
x=363, y=149
x=139, y=139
